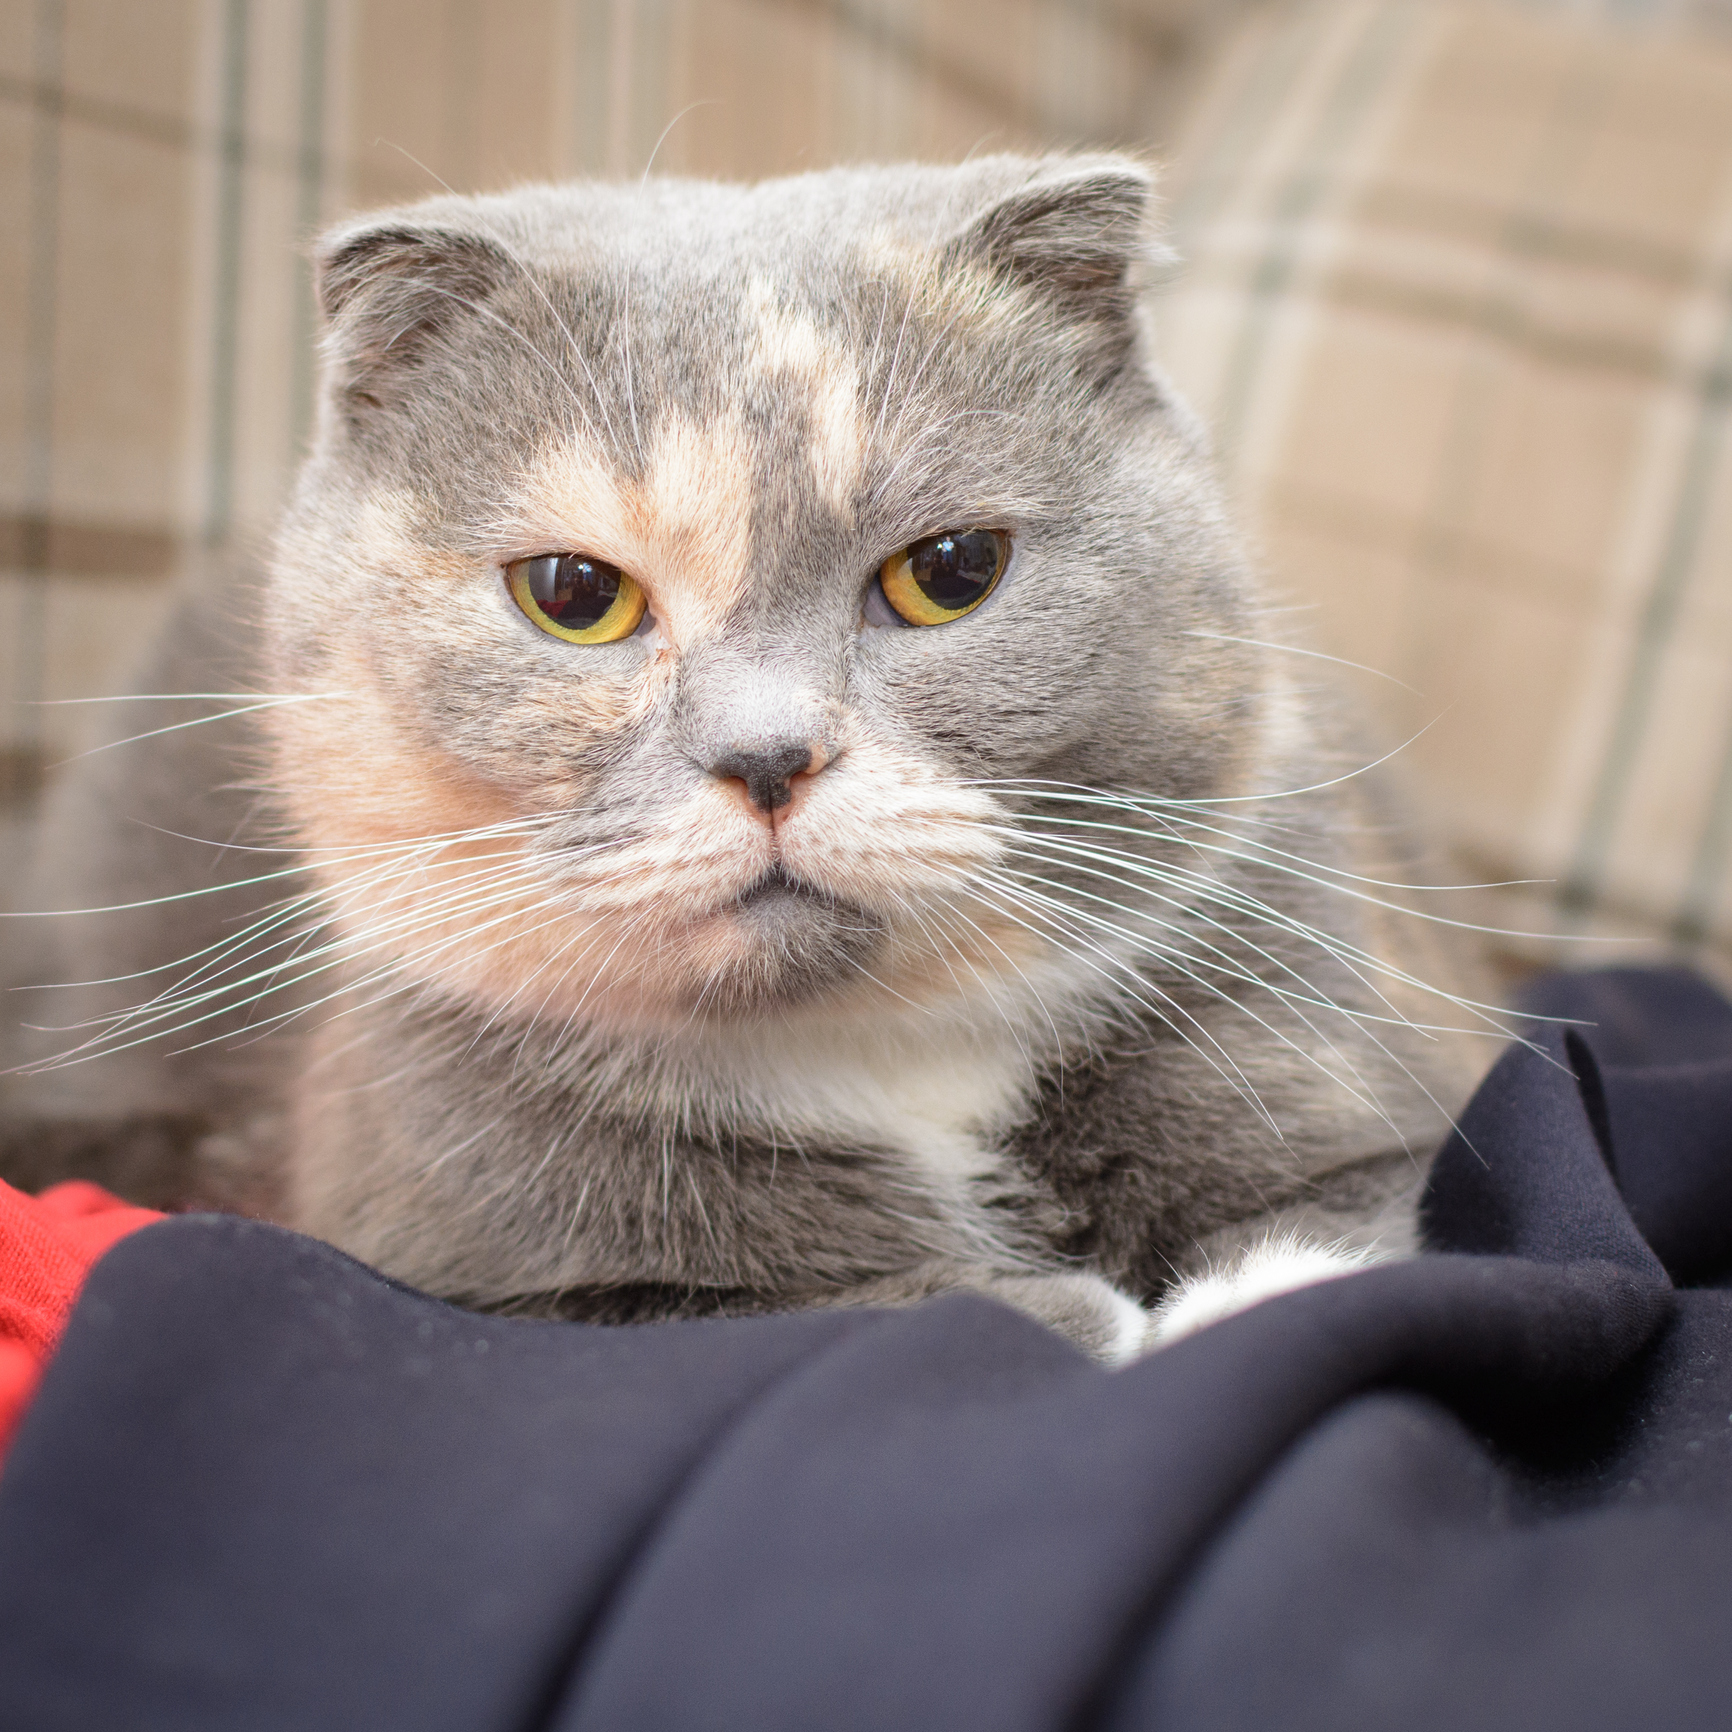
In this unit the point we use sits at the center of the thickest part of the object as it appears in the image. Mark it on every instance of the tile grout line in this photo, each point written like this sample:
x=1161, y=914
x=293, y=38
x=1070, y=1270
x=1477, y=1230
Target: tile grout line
x=31, y=648
x=309, y=212
x=219, y=507
x=1657, y=618
x=1696, y=922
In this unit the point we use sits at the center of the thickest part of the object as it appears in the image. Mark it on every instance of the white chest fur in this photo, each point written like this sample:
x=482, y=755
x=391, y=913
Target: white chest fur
x=936, y=1092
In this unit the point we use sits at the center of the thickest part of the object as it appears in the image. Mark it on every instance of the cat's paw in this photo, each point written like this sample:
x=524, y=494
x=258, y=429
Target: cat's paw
x=1106, y=1324
x=1275, y=1265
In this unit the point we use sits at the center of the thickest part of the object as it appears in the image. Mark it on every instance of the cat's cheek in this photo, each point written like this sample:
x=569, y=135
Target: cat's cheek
x=562, y=720
x=974, y=703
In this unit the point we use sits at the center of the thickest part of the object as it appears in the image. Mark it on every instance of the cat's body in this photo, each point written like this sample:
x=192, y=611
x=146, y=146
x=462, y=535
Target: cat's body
x=776, y=952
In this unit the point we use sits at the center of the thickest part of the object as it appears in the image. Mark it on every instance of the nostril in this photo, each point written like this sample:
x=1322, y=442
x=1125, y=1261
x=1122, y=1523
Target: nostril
x=767, y=771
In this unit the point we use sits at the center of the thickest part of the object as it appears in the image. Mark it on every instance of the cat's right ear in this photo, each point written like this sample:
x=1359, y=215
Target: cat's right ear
x=390, y=294
x=1076, y=232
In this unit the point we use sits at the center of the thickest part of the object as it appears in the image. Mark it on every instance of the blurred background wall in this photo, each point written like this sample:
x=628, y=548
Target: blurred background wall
x=1458, y=304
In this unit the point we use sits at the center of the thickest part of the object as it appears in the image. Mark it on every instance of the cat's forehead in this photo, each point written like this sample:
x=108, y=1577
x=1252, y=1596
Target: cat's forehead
x=713, y=385
x=702, y=278
x=685, y=489
x=747, y=367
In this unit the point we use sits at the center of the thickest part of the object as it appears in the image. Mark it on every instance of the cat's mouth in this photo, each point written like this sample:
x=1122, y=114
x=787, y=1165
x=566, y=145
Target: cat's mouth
x=792, y=942
x=777, y=886
x=786, y=907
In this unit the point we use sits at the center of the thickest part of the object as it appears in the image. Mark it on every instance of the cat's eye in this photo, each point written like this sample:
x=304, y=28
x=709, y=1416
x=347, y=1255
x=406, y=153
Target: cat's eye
x=942, y=577
x=575, y=597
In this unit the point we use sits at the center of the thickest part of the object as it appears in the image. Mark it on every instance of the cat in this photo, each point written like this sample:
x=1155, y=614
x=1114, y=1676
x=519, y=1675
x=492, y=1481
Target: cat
x=757, y=776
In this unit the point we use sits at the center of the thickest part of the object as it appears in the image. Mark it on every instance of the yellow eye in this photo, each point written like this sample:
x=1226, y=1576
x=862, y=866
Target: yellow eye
x=571, y=596
x=944, y=576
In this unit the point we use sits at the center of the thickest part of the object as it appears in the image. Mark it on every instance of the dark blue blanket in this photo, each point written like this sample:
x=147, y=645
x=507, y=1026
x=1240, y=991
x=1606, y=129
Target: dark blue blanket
x=264, y=1488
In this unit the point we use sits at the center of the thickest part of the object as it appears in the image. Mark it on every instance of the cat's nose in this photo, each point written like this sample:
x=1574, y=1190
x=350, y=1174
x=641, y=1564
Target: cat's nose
x=768, y=770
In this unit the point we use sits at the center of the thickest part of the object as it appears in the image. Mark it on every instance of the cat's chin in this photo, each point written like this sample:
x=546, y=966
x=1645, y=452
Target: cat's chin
x=780, y=943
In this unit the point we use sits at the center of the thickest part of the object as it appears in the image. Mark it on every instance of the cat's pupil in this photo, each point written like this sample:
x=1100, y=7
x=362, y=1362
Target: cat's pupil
x=572, y=589
x=955, y=569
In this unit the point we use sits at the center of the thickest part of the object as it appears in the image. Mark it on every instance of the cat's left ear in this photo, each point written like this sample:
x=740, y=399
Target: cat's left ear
x=1079, y=234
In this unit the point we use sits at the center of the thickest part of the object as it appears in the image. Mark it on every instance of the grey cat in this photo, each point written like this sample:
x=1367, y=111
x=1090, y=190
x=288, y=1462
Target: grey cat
x=767, y=787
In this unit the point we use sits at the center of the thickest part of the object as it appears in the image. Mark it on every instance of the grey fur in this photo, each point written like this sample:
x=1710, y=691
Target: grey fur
x=1198, y=1065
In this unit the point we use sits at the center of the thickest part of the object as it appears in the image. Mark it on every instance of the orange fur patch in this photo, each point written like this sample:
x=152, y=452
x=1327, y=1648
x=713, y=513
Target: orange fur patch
x=432, y=871
x=793, y=350
x=684, y=532
x=397, y=838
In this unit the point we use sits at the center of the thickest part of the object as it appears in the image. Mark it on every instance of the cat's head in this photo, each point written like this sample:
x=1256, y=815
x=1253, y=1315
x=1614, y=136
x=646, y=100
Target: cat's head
x=701, y=577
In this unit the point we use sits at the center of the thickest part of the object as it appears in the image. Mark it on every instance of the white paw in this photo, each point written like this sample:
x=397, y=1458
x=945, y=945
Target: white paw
x=1276, y=1265
x=1133, y=1330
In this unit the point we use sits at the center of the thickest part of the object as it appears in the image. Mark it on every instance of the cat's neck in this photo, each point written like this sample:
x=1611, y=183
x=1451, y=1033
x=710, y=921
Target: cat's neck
x=944, y=1084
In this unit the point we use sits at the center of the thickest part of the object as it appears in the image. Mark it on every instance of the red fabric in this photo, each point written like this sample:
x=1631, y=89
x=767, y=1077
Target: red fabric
x=48, y=1245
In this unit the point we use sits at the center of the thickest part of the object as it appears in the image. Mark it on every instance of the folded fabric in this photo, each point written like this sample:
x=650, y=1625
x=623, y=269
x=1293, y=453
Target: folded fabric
x=263, y=1488
x=47, y=1247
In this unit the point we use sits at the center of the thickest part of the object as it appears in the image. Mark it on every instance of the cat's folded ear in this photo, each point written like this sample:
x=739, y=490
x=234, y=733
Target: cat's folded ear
x=1078, y=232
x=390, y=292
